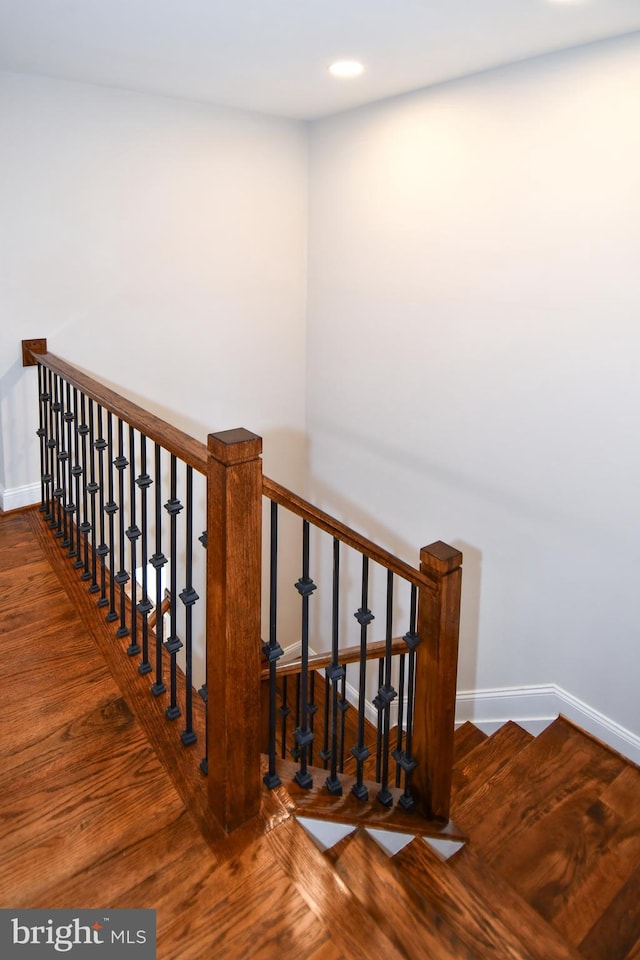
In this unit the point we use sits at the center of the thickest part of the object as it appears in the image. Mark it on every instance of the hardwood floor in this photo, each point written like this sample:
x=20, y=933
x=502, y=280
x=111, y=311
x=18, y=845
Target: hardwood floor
x=103, y=808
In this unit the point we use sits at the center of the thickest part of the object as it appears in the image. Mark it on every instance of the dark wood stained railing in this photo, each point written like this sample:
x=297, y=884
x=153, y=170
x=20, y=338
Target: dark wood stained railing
x=107, y=462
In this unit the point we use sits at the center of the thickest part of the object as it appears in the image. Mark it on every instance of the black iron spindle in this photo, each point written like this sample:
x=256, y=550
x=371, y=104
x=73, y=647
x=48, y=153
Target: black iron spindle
x=173, y=642
x=360, y=751
x=133, y=534
x=406, y=760
x=145, y=606
x=284, y=711
x=158, y=560
x=85, y=526
x=58, y=491
x=111, y=508
x=397, y=753
x=41, y=433
x=189, y=597
x=64, y=458
x=92, y=489
x=76, y=472
x=102, y=550
x=122, y=577
x=386, y=696
x=272, y=650
x=71, y=508
x=303, y=734
x=49, y=442
x=335, y=674
x=343, y=706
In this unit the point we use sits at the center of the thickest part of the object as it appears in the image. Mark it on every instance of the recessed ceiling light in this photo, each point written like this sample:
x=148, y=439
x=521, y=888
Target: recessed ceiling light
x=346, y=68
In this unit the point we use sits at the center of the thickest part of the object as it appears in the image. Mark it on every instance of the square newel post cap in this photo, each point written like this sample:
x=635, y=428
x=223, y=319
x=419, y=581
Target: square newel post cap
x=234, y=446
x=29, y=347
x=440, y=558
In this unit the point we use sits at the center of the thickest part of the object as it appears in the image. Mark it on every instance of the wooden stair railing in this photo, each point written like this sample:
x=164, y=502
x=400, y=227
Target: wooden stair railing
x=231, y=464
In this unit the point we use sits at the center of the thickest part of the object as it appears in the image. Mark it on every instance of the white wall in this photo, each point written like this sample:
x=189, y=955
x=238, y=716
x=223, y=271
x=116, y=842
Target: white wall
x=473, y=338
x=161, y=245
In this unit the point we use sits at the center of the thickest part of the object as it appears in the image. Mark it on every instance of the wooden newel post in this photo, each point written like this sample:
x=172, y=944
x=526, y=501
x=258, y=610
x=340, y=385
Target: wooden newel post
x=234, y=531
x=436, y=671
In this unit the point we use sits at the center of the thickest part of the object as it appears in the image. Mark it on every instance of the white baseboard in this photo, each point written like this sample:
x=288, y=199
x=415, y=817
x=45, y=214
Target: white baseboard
x=535, y=707
x=14, y=499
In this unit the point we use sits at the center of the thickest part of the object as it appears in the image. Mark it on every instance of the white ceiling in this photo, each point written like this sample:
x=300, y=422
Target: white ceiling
x=272, y=55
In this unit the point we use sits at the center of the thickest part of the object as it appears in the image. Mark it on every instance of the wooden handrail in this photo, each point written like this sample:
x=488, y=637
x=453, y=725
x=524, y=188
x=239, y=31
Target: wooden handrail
x=185, y=447
x=375, y=651
x=302, y=508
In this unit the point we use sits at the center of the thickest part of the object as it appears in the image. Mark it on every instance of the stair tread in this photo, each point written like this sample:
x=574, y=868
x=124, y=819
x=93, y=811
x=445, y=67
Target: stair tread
x=328, y=897
x=544, y=824
x=418, y=930
x=543, y=772
x=481, y=763
x=479, y=881
x=465, y=739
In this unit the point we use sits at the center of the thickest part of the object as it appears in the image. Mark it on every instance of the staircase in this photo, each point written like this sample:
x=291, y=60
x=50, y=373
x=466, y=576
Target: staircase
x=551, y=870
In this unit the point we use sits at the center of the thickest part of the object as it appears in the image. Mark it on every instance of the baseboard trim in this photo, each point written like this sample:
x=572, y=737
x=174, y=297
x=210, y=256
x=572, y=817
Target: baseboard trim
x=18, y=497
x=535, y=707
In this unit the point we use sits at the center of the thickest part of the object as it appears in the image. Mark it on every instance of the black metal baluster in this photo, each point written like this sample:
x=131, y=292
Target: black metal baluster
x=204, y=763
x=41, y=433
x=133, y=534
x=189, y=597
x=64, y=458
x=92, y=489
x=122, y=577
x=312, y=708
x=145, y=606
x=386, y=696
x=102, y=550
x=325, y=753
x=173, y=643
x=85, y=526
x=49, y=442
x=272, y=650
x=379, y=724
x=343, y=706
x=284, y=712
x=302, y=734
x=158, y=561
x=397, y=753
x=335, y=674
x=360, y=751
x=203, y=694
x=58, y=491
x=71, y=508
x=111, y=508
x=76, y=472
x=406, y=761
